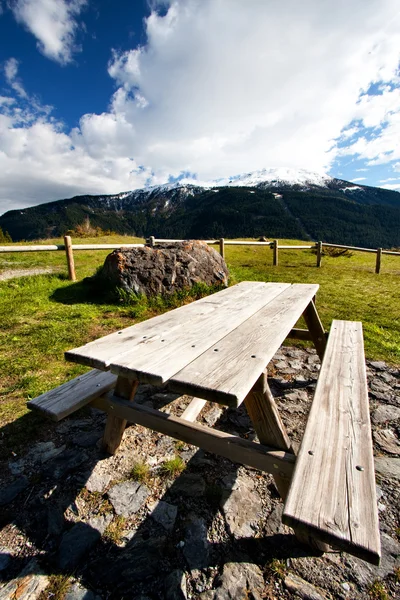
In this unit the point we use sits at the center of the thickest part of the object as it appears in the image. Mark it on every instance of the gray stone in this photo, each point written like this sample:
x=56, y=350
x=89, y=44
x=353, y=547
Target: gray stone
x=98, y=481
x=274, y=523
x=388, y=467
x=78, y=592
x=128, y=497
x=75, y=544
x=212, y=415
x=29, y=584
x=365, y=573
x=189, y=485
x=100, y=523
x=239, y=581
x=242, y=508
x=5, y=558
x=196, y=546
x=55, y=520
x=86, y=439
x=378, y=365
x=44, y=451
x=17, y=467
x=11, y=491
x=175, y=586
x=65, y=463
x=164, y=514
x=387, y=440
x=165, y=269
x=302, y=588
x=385, y=413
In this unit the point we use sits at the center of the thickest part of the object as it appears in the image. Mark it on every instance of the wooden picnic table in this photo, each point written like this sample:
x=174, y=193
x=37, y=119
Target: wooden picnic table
x=217, y=349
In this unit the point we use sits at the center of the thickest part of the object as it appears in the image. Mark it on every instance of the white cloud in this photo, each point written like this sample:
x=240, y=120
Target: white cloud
x=220, y=88
x=11, y=75
x=53, y=23
x=359, y=178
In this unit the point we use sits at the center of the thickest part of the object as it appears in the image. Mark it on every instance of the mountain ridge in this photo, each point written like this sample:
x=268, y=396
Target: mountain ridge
x=273, y=202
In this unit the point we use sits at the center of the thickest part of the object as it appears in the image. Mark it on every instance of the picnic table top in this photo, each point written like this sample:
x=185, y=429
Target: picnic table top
x=215, y=348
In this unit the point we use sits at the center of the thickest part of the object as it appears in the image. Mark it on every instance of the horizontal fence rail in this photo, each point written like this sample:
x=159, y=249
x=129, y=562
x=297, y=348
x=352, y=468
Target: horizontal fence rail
x=69, y=249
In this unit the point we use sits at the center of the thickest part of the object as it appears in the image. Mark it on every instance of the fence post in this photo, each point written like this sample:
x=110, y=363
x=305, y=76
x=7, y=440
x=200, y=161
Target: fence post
x=70, y=258
x=378, y=260
x=319, y=253
x=275, y=249
x=152, y=241
x=222, y=247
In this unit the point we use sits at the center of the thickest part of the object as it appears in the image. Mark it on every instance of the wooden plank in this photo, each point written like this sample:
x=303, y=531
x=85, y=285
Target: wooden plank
x=70, y=258
x=268, y=425
x=145, y=337
x=300, y=334
x=349, y=247
x=43, y=248
x=378, y=260
x=332, y=495
x=228, y=370
x=316, y=328
x=193, y=331
x=192, y=411
x=235, y=448
x=72, y=395
x=115, y=425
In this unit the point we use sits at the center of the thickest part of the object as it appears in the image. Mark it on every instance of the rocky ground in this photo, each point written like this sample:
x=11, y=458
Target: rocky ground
x=76, y=524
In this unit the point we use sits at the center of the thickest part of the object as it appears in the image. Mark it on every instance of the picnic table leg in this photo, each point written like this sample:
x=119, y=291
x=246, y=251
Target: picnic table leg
x=315, y=328
x=115, y=426
x=271, y=431
x=268, y=425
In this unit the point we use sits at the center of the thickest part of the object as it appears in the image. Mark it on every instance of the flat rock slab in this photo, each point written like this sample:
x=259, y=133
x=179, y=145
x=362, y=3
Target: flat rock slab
x=75, y=544
x=387, y=467
x=11, y=491
x=98, y=480
x=385, y=413
x=78, y=592
x=302, y=588
x=242, y=507
x=387, y=440
x=189, y=484
x=239, y=581
x=29, y=584
x=65, y=463
x=164, y=514
x=196, y=545
x=175, y=585
x=128, y=497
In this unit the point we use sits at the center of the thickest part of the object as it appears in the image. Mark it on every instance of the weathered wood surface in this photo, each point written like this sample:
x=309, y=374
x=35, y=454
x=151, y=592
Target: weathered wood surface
x=316, y=328
x=70, y=258
x=268, y=425
x=235, y=448
x=192, y=411
x=177, y=336
x=332, y=496
x=300, y=334
x=115, y=426
x=73, y=395
x=162, y=357
x=227, y=371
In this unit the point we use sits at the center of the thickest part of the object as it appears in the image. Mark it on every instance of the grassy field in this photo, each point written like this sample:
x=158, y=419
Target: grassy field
x=41, y=316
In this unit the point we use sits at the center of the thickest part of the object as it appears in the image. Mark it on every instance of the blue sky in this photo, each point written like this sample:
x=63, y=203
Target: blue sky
x=102, y=97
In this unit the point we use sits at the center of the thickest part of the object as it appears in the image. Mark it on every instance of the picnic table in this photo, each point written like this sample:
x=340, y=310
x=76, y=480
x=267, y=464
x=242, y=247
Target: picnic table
x=217, y=349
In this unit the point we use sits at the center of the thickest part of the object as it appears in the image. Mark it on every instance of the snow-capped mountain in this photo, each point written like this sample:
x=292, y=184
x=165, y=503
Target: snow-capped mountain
x=281, y=203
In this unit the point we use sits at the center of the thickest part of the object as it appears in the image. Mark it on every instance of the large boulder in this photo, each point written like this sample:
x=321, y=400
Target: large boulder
x=165, y=268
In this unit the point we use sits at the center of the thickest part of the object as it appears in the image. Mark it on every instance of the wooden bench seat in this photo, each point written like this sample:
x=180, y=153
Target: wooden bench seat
x=332, y=495
x=73, y=395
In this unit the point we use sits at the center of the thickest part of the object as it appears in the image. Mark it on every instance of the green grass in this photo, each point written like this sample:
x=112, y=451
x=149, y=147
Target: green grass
x=173, y=466
x=44, y=315
x=140, y=472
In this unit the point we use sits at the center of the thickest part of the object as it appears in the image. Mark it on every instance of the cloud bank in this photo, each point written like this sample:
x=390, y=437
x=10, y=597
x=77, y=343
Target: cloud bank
x=222, y=88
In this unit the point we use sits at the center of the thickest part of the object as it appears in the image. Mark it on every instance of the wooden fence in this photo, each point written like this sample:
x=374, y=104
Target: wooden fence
x=69, y=249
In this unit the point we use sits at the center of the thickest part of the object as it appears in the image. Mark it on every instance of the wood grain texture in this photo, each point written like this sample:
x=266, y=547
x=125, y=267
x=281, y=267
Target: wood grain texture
x=73, y=395
x=315, y=328
x=144, y=339
x=332, y=496
x=115, y=425
x=268, y=425
x=193, y=331
x=235, y=448
x=192, y=411
x=228, y=370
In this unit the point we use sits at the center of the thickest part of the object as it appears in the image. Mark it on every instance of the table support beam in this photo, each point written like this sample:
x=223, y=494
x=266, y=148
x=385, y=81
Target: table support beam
x=316, y=329
x=264, y=414
x=233, y=447
x=115, y=426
